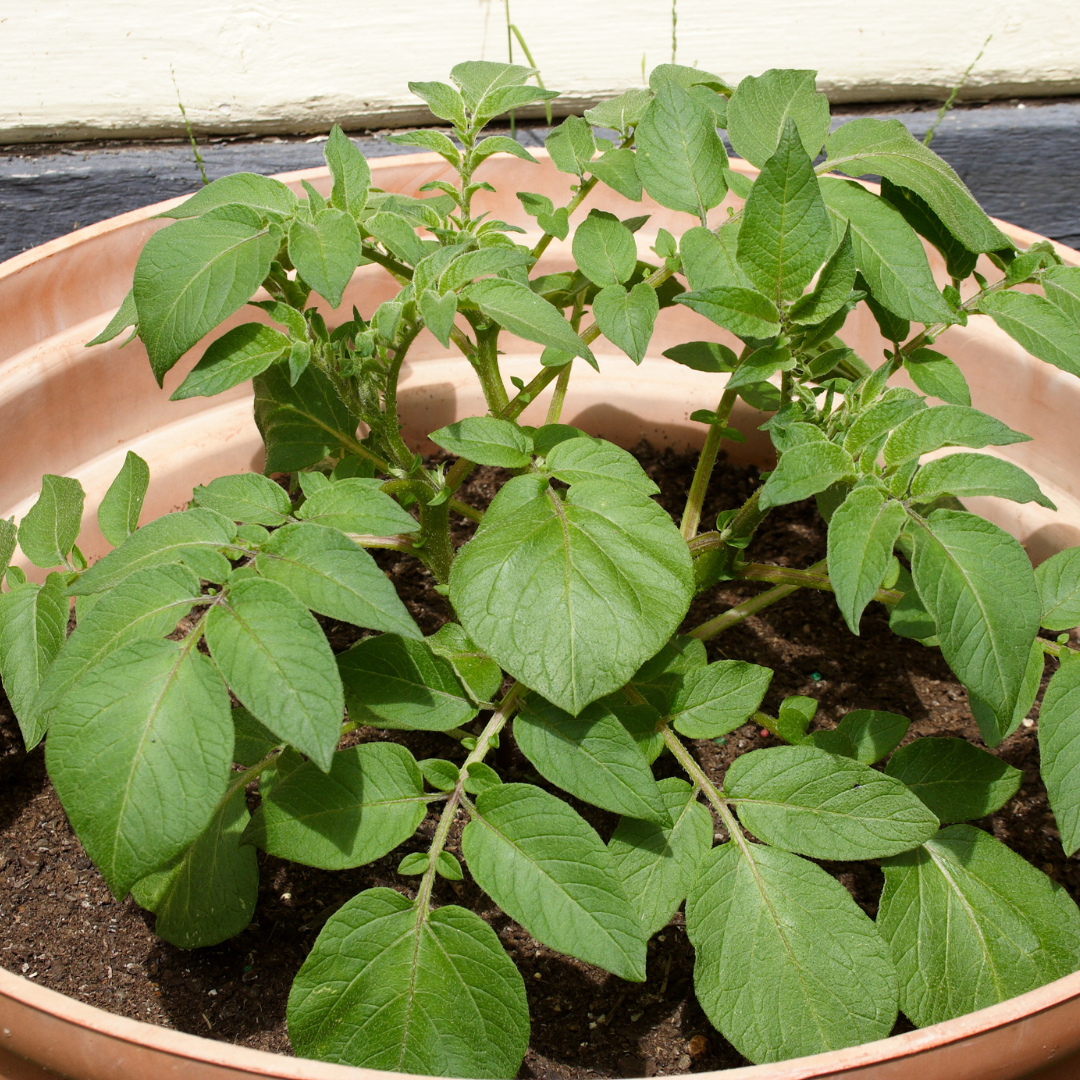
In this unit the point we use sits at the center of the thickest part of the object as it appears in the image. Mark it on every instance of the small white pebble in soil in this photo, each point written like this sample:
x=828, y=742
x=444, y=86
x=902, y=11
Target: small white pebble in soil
x=592, y=1025
x=1028, y=722
x=286, y=896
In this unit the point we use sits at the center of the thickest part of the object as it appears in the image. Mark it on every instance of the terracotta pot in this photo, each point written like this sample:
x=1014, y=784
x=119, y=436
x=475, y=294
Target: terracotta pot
x=76, y=411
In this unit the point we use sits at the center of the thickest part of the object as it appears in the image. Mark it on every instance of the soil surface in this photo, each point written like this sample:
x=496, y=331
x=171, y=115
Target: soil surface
x=64, y=930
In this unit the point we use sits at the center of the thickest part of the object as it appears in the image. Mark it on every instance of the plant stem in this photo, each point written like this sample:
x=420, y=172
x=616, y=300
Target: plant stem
x=498, y=720
x=392, y=427
x=697, y=774
x=485, y=361
x=559, y=396
x=708, y=630
x=691, y=518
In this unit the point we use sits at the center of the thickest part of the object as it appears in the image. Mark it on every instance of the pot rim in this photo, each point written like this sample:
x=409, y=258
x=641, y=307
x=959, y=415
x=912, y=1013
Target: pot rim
x=196, y=1048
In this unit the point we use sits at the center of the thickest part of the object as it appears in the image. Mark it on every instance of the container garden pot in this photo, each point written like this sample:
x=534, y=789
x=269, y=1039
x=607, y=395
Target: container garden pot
x=76, y=411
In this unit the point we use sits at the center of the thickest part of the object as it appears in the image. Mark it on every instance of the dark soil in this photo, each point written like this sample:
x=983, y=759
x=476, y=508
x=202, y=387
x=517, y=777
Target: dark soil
x=64, y=930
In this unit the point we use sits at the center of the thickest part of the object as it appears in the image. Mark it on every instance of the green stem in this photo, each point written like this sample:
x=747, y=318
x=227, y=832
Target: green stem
x=486, y=364
x=437, y=551
x=708, y=630
x=498, y=720
x=691, y=518
x=392, y=431
x=559, y=396
x=694, y=770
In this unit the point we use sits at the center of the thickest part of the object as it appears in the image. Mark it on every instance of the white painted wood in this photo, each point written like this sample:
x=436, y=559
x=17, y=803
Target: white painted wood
x=75, y=69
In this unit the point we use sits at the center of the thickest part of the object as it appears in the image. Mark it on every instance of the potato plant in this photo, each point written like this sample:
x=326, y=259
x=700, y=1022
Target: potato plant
x=197, y=666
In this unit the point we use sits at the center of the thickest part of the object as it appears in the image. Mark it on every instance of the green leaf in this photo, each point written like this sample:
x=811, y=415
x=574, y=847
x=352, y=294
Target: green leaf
x=253, y=740
x=680, y=157
x=241, y=354
x=687, y=77
x=443, y=100
x=592, y=756
x=125, y=316
x=707, y=702
x=794, y=716
x=371, y=800
x=935, y=374
x=657, y=679
x=263, y=194
x=959, y=261
x=395, y=682
x=760, y=366
x=862, y=532
x=8, y=539
x=51, y=526
x=518, y=309
x=978, y=585
x=833, y=288
x=784, y=236
x=326, y=252
x=1041, y=327
x=814, y=803
x=583, y=458
x=479, y=674
x=866, y=735
x=1062, y=287
x=970, y=923
x=501, y=144
x=429, y=140
x=300, y=424
x=888, y=412
x=709, y=259
x=571, y=146
x=620, y=113
x=626, y=318
x=746, y=313
x=957, y=781
x=438, y=313
x=657, y=863
x=617, y=168
x=487, y=440
x=804, y=471
x=173, y=538
x=762, y=106
x=946, y=425
x=357, y=505
x=391, y=986
x=703, y=356
x=440, y=774
x=1059, y=749
x=118, y=513
x=277, y=662
x=516, y=848
x=475, y=264
x=969, y=475
x=248, y=497
x=787, y=964
x=889, y=253
x=196, y=273
x=1058, y=579
x=144, y=606
x=152, y=717
x=604, y=249
x=398, y=235
x=208, y=893
x=989, y=727
x=351, y=173
x=330, y=574
x=33, y=625
x=572, y=596
x=886, y=148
